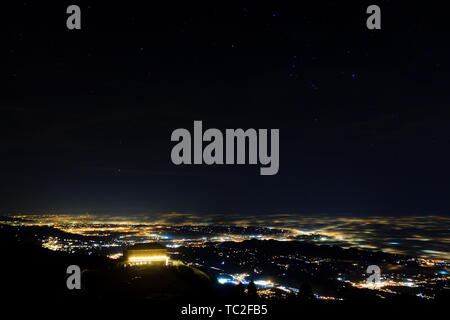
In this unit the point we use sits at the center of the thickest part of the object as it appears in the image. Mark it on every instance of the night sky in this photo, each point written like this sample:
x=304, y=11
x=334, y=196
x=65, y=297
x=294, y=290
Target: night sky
x=86, y=115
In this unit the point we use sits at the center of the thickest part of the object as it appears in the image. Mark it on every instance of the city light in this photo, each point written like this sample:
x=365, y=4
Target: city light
x=227, y=251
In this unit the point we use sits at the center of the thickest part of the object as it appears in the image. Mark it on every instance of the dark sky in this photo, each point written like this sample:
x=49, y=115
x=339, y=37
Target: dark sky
x=86, y=115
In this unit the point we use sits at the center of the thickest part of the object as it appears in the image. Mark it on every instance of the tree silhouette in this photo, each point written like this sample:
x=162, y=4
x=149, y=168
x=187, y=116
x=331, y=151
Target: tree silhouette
x=251, y=289
x=306, y=293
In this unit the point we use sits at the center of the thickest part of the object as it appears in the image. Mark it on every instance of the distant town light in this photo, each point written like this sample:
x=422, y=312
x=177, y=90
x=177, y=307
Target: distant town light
x=263, y=283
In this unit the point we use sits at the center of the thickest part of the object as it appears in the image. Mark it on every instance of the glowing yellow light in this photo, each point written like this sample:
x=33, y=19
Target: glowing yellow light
x=150, y=258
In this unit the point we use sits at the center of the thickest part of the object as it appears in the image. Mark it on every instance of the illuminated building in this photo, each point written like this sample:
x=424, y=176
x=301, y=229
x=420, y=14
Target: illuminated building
x=146, y=253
